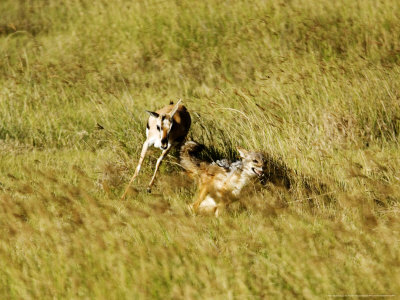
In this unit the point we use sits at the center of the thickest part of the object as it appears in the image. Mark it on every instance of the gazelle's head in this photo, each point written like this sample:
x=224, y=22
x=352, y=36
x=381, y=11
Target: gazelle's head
x=253, y=162
x=164, y=123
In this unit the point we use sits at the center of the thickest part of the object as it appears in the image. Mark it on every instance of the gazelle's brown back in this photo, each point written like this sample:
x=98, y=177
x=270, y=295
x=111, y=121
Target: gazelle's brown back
x=182, y=122
x=182, y=118
x=168, y=126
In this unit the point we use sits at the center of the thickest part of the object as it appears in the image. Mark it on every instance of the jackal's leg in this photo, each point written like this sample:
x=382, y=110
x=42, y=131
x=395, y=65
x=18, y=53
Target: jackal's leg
x=142, y=155
x=159, y=160
x=202, y=194
x=218, y=210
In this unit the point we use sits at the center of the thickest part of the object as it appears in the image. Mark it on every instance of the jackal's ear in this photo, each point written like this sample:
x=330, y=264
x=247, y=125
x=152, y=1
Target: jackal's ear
x=175, y=108
x=152, y=113
x=242, y=152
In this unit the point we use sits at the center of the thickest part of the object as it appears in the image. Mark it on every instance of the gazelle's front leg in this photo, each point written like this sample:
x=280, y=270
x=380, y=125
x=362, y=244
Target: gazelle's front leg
x=142, y=155
x=159, y=160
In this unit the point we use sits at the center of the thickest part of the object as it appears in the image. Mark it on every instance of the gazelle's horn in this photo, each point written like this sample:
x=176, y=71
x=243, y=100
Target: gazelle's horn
x=175, y=108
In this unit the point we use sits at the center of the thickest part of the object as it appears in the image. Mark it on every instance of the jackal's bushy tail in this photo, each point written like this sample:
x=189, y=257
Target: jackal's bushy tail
x=188, y=160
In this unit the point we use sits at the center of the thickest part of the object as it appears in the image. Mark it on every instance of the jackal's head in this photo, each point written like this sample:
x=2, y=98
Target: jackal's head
x=253, y=162
x=164, y=124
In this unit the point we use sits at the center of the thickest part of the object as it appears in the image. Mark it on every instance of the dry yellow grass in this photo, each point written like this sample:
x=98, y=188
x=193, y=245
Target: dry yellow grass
x=314, y=84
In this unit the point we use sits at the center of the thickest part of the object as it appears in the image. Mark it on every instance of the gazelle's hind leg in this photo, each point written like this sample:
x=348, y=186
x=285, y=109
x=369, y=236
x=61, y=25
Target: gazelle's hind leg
x=159, y=160
x=142, y=155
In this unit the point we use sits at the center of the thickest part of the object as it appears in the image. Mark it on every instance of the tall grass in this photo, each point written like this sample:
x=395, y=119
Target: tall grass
x=314, y=84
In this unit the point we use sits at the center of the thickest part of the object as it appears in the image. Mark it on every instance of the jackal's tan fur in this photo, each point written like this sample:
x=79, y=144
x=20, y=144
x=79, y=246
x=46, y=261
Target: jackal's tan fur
x=220, y=184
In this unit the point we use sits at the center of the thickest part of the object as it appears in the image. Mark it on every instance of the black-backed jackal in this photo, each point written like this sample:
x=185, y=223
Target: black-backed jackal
x=220, y=183
x=166, y=127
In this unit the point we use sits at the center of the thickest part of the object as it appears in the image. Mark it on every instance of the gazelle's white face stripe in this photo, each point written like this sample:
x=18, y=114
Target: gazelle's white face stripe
x=167, y=124
x=160, y=123
x=161, y=134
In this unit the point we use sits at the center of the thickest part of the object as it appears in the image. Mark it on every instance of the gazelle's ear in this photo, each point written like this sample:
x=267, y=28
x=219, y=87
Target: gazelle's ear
x=175, y=108
x=152, y=113
x=242, y=152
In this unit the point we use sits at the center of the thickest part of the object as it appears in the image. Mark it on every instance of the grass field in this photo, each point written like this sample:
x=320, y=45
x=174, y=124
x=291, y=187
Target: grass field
x=315, y=84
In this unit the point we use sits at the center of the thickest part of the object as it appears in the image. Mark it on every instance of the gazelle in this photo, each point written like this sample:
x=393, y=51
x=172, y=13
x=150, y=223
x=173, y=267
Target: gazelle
x=166, y=127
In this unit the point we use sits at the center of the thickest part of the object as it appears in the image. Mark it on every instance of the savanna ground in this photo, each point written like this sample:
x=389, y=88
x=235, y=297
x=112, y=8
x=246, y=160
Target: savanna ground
x=315, y=84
